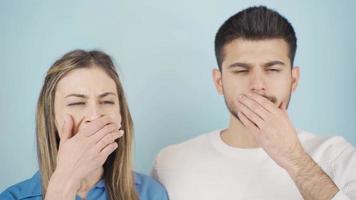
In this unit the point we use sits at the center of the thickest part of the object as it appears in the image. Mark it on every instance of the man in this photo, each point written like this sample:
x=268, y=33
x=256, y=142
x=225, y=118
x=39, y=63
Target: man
x=260, y=155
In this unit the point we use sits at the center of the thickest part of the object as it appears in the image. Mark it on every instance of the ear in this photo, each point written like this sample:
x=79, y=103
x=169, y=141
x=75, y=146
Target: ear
x=295, y=78
x=217, y=78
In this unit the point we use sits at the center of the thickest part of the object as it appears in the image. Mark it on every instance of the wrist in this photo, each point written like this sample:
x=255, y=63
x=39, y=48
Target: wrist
x=301, y=164
x=62, y=185
x=311, y=180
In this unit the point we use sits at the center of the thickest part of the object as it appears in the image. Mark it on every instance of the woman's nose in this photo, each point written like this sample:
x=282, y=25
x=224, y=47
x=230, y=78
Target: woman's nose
x=94, y=112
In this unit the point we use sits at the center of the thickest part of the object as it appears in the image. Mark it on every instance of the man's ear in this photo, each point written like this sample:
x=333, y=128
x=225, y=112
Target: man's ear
x=295, y=78
x=217, y=78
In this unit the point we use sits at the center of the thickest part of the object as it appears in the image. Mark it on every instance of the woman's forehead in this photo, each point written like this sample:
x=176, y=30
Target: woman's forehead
x=88, y=81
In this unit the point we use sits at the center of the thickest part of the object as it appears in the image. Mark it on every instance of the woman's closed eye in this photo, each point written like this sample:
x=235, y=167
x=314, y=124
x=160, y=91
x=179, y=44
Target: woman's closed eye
x=107, y=102
x=76, y=104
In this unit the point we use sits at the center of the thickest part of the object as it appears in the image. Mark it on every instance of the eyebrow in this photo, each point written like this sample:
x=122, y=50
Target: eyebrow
x=275, y=62
x=238, y=64
x=84, y=96
x=106, y=94
x=248, y=65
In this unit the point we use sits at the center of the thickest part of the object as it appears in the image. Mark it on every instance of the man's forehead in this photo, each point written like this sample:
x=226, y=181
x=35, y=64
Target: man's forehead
x=255, y=51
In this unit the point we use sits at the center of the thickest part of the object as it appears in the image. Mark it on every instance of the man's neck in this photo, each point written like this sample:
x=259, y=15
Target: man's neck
x=237, y=135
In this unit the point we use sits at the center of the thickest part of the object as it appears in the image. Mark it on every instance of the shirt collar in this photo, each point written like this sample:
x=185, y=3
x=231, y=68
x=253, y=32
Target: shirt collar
x=137, y=179
x=31, y=187
x=100, y=184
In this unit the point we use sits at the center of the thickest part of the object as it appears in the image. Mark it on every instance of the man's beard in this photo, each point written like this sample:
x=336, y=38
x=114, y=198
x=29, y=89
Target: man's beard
x=229, y=103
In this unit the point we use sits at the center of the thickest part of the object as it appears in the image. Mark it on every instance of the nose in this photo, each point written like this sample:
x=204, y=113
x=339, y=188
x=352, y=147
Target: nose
x=93, y=112
x=257, y=83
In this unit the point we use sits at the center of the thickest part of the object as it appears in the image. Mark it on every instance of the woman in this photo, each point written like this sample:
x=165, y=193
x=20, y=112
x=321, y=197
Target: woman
x=84, y=136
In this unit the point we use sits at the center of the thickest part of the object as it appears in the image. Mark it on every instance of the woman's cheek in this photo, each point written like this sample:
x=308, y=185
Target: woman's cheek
x=116, y=118
x=119, y=121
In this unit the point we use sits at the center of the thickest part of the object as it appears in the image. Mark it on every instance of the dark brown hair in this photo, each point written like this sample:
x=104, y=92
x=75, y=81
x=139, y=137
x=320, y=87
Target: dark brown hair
x=255, y=23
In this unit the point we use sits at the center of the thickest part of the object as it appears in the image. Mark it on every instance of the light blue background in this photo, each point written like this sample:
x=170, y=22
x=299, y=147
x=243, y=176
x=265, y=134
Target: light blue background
x=164, y=50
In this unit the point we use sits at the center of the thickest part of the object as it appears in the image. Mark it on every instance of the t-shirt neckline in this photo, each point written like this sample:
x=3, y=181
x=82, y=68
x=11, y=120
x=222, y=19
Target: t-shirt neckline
x=222, y=147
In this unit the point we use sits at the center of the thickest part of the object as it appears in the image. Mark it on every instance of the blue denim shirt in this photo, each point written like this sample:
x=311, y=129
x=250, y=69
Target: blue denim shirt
x=30, y=189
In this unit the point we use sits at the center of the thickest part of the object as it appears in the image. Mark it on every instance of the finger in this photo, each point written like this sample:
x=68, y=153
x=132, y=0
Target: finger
x=107, y=151
x=283, y=106
x=107, y=129
x=96, y=125
x=67, y=128
x=101, y=157
x=248, y=123
x=107, y=140
x=254, y=106
x=252, y=116
x=263, y=101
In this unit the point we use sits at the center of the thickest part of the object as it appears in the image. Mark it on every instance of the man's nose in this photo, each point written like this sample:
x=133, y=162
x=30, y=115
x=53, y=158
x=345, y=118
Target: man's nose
x=257, y=83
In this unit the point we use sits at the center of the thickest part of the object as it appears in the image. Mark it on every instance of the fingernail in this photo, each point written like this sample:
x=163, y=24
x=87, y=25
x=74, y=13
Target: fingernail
x=238, y=113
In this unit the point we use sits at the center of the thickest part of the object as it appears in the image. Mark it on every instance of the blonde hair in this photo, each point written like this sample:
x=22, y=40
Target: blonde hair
x=118, y=173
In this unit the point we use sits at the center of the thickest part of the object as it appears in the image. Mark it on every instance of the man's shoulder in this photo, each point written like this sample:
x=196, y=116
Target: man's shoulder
x=27, y=189
x=190, y=147
x=329, y=147
x=312, y=140
x=194, y=143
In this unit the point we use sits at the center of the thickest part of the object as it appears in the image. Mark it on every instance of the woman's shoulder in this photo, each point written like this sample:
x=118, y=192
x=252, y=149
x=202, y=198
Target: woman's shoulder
x=27, y=189
x=146, y=186
x=149, y=188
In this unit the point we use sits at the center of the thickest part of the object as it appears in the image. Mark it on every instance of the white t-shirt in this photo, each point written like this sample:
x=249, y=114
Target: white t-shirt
x=205, y=168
